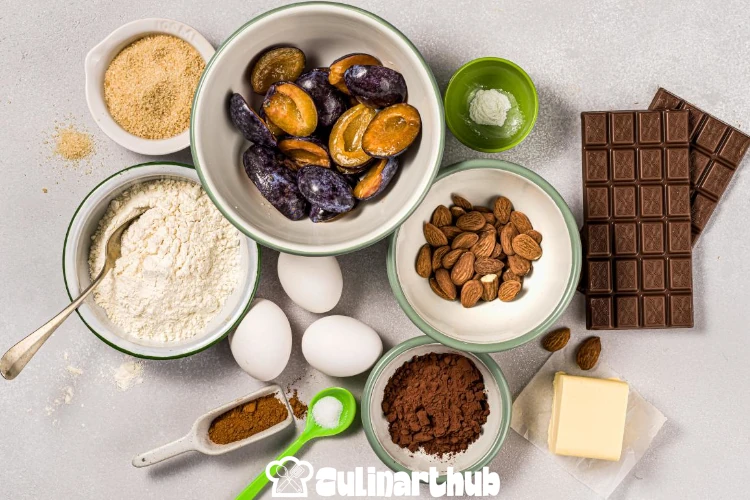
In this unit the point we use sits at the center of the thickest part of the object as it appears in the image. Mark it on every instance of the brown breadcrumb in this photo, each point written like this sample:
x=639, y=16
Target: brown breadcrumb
x=73, y=144
x=149, y=86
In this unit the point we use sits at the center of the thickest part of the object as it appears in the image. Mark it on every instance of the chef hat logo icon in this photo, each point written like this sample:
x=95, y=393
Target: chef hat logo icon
x=290, y=478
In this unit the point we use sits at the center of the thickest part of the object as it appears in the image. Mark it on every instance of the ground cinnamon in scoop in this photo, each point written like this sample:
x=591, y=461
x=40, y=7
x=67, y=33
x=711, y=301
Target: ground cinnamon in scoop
x=247, y=420
x=436, y=402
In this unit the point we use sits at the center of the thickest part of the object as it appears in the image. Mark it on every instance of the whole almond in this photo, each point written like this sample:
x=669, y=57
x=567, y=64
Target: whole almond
x=588, y=353
x=457, y=212
x=434, y=236
x=509, y=275
x=481, y=209
x=556, y=339
x=442, y=216
x=471, y=292
x=490, y=284
x=506, y=238
x=438, y=291
x=519, y=265
x=525, y=246
x=464, y=240
x=497, y=252
x=452, y=257
x=488, y=266
x=489, y=217
x=502, y=209
x=463, y=270
x=462, y=202
x=535, y=235
x=424, y=261
x=485, y=246
x=508, y=290
x=521, y=222
x=450, y=232
x=472, y=221
x=488, y=228
x=443, y=279
x=437, y=257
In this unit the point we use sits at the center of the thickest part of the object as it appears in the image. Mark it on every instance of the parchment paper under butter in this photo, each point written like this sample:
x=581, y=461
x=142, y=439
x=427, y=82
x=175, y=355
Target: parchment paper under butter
x=533, y=407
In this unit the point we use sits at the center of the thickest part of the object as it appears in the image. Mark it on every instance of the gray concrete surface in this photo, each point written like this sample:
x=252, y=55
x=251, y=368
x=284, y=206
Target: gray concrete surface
x=593, y=55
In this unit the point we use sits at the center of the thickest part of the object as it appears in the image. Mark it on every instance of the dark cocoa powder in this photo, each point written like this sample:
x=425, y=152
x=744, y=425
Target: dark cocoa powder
x=436, y=402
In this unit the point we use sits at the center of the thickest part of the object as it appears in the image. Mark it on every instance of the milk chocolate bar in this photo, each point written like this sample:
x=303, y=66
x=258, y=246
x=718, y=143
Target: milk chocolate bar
x=636, y=232
x=716, y=150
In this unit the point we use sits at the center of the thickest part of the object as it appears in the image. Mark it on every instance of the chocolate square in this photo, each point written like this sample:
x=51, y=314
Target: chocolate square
x=680, y=274
x=678, y=164
x=650, y=164
x=596, y=165
x=652, y=237
x=626, y=242
x=678, y=200
x=654, y=311
x=716, y=180
x=679, y=237
x=600, y=278
x=627, y=311
x=649, y=127
x=652, y=201
x=598, y=240
x=624, y=201
x=653, y=274
x=622, y=129
x=595, y=129
x=626, y=275
x=623, y=165
x=681, y=310
x=601, y=312
x=598, y=202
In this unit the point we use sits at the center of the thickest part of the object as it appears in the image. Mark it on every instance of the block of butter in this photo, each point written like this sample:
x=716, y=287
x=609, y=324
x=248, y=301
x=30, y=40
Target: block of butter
x=588, y=417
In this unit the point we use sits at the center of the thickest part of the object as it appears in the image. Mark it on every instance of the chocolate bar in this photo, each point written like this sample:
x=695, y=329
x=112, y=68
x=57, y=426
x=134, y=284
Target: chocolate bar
x=636, y=232
x=716, y=150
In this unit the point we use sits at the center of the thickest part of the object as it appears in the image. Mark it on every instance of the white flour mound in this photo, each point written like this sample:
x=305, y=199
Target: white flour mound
x=180, y=261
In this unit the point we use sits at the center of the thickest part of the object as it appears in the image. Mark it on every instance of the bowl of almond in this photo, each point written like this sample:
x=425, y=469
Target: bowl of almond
x=489, y=260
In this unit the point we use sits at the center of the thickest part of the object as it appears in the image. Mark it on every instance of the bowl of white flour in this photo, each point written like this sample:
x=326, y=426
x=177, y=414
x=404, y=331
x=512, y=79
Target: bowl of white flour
x=186, y=276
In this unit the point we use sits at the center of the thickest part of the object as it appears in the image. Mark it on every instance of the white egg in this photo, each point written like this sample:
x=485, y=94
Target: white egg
x=313, y=283
x=341, y=346
x=262, y=343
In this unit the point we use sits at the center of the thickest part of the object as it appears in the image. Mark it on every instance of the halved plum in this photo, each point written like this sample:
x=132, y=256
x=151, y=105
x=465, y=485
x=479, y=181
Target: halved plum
x=345, y=142
x=291, y=109
x=375, y=86
x=392, y=131
x=249, y=123
x=277, y=183
x=325, y=188
x=276, y=65
x=305, y=151
x=328, y=100
x=340, y=65
x=275, y=130
x=376, y=179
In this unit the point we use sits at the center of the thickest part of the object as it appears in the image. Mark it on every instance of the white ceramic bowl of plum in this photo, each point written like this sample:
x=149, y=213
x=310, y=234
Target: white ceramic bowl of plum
x=317, y=128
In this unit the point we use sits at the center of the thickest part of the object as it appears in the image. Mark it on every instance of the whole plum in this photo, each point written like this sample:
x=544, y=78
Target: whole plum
x=249, y=123
x=277, y=183
x=330, y=102
x=318, y=214
x=375, y=86
x=325, y=188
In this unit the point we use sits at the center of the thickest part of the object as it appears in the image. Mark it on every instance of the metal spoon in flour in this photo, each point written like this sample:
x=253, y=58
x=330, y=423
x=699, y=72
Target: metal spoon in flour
x=17, y=356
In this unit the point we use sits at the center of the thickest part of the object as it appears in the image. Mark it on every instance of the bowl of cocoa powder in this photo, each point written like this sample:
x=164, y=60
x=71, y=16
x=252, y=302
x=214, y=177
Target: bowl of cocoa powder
x=429, y=405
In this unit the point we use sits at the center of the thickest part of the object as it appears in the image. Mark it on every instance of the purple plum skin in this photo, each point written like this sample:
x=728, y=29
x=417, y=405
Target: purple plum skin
x=247, y=121
x=329, y=102
x=375, y=86
x=277, y=183
x=326, y=189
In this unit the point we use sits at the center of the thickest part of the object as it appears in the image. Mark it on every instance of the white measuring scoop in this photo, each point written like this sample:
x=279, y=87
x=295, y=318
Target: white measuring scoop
x=197, y=439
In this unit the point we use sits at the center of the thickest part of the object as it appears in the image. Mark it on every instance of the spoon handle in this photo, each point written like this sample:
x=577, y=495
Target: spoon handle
x=169, y=450
x=17, y=356
x=252, y=490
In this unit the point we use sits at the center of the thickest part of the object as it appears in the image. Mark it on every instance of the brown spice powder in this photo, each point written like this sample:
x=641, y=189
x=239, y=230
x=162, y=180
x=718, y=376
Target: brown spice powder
x=436, y=402
x=149, y=86
x=247, y=420
x=299, y=409
x=73, y=144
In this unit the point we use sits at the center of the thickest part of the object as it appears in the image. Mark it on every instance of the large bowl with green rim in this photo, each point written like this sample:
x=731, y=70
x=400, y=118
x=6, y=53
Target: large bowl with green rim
x=483, y=74
x=479, y=454
x=547, y=290
x=76, y=269
x=325, y=32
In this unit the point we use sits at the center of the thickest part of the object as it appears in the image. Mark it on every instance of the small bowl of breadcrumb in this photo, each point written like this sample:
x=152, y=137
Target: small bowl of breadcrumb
x=140, y=83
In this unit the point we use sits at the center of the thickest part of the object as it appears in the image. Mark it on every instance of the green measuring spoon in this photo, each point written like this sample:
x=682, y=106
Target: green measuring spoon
x=312, y=431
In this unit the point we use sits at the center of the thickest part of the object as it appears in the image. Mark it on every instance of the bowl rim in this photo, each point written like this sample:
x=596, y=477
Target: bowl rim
x=321, y=250
x=107, y=50
x=505, y=62
x=377, y=372
x=570, y=289
x=218, y=338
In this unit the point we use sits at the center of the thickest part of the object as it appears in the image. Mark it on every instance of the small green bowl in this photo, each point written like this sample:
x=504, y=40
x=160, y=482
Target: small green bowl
x=489, y=73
